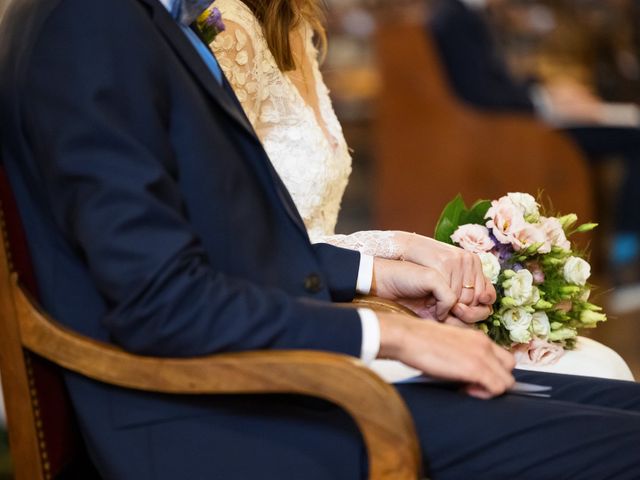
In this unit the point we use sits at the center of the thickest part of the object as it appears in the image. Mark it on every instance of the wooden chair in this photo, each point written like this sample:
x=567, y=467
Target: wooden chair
x=34, y=348
x=430, y=146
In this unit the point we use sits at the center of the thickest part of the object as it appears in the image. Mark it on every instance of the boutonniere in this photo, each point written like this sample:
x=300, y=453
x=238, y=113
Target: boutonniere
x=210, y=24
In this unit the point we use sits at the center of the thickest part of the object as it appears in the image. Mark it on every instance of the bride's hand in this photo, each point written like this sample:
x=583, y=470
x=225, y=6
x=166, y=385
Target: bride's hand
x=423, y=290
x=462, y=269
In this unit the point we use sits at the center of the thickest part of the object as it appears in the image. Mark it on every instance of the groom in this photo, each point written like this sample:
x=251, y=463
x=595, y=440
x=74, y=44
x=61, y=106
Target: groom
x=156, y=222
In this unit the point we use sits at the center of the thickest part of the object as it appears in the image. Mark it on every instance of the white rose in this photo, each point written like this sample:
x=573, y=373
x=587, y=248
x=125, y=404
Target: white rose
x=516, y=319
x=535, y=296
x=526, y=203
x=520, y=287
x=540, y=324
x=576, y=271
x=490, y=266
x=520, y=335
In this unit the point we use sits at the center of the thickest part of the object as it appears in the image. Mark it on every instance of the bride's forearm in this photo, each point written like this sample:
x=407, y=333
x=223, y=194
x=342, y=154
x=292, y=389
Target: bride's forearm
x=383, y=244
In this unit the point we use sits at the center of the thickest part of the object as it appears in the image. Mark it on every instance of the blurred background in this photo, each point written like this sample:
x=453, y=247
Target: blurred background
x=483, y=97
x=438, y=97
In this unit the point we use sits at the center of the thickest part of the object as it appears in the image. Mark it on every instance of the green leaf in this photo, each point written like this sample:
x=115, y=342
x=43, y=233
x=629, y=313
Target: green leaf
x=476, y=213
x=450, y=219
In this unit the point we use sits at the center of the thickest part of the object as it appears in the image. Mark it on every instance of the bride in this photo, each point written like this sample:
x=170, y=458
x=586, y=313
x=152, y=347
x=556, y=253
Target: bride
x=269, y=56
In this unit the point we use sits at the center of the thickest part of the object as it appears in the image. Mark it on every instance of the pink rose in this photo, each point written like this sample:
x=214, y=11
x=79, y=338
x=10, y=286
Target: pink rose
x=528, y=235
x=564, y=306
x=473, y=238
x=537, y=352
x=537, y=272
x=505, y=220
x=554, y=233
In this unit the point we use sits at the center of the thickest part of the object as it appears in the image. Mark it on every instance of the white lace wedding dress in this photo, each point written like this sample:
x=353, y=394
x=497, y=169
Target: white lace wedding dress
x=304, y=140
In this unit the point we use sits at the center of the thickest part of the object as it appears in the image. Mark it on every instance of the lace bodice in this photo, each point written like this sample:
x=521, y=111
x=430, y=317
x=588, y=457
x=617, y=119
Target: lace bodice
x=305, y=144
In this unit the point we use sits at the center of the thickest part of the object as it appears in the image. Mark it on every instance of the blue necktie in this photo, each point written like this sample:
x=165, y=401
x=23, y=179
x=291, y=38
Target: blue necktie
x=178, y=13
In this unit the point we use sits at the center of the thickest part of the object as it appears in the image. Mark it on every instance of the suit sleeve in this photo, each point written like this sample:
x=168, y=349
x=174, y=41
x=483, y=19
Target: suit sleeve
x=341, y=266
x=97, y=114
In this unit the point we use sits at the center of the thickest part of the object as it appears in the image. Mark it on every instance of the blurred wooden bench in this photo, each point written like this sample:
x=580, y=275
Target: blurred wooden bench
x=430, y=146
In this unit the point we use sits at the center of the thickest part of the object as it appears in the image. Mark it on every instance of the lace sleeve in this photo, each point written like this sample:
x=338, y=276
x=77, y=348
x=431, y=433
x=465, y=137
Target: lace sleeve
x=371, y=242
x=235, y=50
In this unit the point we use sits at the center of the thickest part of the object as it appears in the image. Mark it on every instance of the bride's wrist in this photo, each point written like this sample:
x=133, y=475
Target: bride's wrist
x=405, y=244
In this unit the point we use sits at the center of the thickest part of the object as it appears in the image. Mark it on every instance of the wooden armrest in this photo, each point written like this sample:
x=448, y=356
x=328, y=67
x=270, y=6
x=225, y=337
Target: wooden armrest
x=376, y=407
x=380, y=305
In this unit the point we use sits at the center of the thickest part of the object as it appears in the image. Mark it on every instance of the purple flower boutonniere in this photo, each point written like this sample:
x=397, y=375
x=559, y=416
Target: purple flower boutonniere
x=210, y=23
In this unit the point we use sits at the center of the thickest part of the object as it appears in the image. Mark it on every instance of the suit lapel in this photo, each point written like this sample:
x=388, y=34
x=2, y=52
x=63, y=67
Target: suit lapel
x=226, y=99
x=279, y=186
x=192, y=60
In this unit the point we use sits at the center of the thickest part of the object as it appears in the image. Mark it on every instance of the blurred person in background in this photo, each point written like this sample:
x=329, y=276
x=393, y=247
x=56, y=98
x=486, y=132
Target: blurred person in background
x=272, y=66
x=564, y=96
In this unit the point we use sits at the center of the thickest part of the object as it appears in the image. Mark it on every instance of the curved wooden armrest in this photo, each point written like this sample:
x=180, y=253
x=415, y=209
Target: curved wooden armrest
x=376, y=407
x=380, y=305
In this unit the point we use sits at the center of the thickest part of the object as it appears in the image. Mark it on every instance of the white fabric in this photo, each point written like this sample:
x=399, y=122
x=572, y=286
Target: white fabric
x=369, y=321
x=365, y=274
x=590, y=358
x=370, y=242
x=370, y=335
x=393, y=371
x=309, y=151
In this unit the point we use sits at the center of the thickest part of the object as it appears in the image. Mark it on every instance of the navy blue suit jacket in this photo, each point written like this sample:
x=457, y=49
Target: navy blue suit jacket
x=154, y=217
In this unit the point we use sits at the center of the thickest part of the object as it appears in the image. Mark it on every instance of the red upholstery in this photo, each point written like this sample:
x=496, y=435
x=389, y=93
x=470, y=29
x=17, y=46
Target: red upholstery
x=60, y=442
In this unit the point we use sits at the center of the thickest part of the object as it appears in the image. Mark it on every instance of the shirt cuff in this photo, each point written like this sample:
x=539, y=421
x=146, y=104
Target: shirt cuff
x=365, y=274
x=370, y=335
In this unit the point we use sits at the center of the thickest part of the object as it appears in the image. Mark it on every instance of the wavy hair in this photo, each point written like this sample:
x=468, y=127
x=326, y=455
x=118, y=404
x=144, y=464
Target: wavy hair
x=280, y=17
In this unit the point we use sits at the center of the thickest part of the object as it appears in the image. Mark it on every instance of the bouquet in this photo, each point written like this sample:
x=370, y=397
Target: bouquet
x=541, y=282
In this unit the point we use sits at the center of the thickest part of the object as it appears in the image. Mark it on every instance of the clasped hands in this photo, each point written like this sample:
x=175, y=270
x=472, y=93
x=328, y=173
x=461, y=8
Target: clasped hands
x=443, y=283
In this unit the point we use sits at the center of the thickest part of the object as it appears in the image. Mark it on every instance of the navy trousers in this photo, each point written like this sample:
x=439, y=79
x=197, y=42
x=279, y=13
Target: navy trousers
x=588, y=429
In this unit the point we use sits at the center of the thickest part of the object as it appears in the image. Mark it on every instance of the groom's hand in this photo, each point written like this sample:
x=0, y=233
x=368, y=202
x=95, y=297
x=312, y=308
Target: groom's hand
x=424, y=290
x=461, y=269
x=448, y=353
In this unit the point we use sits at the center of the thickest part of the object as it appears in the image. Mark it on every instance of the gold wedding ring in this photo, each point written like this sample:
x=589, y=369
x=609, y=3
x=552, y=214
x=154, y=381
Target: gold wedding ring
x=469, y=286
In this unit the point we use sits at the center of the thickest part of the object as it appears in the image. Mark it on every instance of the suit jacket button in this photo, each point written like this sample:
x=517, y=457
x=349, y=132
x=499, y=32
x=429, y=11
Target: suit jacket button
x=313, y=283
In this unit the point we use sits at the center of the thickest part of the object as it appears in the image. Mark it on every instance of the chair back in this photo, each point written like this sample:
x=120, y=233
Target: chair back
x=43, y=435
x=431, y=147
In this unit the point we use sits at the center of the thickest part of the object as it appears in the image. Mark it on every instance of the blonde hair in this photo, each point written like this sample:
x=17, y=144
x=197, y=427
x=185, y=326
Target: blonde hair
x=279, y=17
